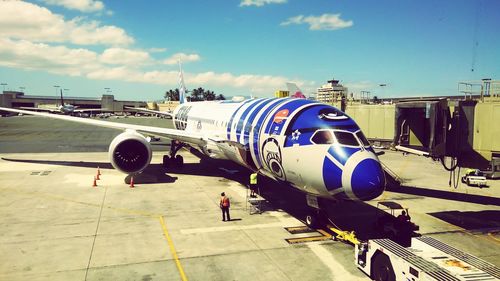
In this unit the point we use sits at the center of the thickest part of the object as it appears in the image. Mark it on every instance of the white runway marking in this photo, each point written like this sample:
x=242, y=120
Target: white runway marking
x=230, y=227
x=336, y=269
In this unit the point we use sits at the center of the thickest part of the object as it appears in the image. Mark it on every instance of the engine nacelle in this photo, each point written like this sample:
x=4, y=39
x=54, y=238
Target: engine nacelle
x=130, y=152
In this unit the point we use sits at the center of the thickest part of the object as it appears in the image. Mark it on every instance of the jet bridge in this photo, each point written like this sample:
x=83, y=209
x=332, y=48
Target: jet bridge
x=458, y=129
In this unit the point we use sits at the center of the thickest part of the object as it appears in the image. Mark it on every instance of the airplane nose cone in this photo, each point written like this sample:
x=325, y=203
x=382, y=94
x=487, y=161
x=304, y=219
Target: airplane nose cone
x=368, y=180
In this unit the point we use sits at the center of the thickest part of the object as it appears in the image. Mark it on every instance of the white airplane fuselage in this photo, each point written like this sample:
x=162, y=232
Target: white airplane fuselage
x=312, y=146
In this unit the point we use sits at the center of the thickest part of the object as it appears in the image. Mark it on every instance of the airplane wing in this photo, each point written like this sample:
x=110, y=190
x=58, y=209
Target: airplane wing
x=183, y=136
x=40, y=109
x=150, y=111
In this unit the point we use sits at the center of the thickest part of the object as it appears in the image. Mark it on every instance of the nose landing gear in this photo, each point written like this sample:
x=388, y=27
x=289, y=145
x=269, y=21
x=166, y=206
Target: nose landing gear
x=314, y=217
x=173, y=160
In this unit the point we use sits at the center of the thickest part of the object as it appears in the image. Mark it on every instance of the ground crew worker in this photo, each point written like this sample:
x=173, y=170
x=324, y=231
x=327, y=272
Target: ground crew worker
x=253, y=184
x=224, y=206
x=404, y=217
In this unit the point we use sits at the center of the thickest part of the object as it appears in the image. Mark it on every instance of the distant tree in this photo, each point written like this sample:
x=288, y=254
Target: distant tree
x=376, y=100
x=197, y=94
x=200, y=94
x=209, y=95
x=172, y=95
x=220, y=97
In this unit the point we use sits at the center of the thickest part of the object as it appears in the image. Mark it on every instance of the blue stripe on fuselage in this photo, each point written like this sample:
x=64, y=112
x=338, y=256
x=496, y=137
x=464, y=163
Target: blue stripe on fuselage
x=251, y=118
x=240, y=125
x=332, y=175
x=342, y=153
x=275, y=128
x=230, y=123
x=258, y=125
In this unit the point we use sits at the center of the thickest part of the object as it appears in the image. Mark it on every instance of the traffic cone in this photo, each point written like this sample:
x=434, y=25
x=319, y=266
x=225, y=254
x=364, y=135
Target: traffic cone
x=98, y=171
x=97, y=175
x=132, y=182
x=95, y=183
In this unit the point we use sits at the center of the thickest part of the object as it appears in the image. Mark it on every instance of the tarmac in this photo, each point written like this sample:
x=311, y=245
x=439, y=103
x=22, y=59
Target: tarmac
x=56, y=226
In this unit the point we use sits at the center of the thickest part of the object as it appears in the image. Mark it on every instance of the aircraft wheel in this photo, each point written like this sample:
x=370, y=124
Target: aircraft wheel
x=312, y=220
x=166, y=161
x=382, y=269
x=179, y=161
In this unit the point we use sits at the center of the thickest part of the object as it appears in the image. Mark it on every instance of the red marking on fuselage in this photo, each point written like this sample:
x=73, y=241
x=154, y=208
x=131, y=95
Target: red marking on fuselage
x=280, y=116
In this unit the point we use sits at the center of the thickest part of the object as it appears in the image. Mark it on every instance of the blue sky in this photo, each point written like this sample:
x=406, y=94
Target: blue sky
x=247, y=47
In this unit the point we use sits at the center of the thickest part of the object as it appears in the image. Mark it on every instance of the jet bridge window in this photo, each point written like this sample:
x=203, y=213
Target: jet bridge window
x=323, y=137
x=346, y=138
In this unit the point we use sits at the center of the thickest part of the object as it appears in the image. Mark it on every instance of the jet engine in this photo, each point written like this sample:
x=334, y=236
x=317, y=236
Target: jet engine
x=130, y=152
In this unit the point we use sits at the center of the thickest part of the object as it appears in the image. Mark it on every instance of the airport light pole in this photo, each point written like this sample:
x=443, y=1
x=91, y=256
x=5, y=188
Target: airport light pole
x=4, y=84
x=382, y=89
x=57, y=87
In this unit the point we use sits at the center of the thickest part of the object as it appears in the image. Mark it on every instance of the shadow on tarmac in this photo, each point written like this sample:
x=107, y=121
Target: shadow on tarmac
x=447, y=195
x=154, y=173
x=489, y=219
x=101, y=165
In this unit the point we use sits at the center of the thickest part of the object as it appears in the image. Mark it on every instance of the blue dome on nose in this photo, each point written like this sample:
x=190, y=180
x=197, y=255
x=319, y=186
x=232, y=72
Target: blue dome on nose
x=368, y=179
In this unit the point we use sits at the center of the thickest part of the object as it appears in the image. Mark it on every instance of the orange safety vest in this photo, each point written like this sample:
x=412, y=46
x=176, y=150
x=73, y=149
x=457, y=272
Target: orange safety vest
x=224, y=202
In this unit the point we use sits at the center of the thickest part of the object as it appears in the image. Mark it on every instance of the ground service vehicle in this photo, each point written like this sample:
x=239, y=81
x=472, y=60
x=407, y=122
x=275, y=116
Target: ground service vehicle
x=426, y=259
x=394, y=222
x=474, y=177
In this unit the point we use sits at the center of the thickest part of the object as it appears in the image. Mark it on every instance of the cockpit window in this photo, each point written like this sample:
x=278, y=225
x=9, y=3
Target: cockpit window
x=323, y=137
x=346, y=138
x=362, y=138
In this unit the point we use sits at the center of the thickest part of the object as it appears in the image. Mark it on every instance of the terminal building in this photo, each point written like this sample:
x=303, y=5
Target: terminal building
x=108, y=103
x=331, y=92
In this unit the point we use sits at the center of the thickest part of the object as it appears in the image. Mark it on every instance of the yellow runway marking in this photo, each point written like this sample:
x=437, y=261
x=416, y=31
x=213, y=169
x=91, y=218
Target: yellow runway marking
x=323, y=237
x=172, y=249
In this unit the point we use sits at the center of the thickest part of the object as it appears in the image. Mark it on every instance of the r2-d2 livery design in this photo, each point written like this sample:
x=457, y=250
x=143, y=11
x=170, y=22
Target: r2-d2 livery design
x=312, y=146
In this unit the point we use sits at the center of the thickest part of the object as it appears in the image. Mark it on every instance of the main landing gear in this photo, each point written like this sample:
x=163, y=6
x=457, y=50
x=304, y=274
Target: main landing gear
x=172, y=160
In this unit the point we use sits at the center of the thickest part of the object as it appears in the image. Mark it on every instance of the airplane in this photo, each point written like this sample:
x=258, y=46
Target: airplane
x=295, y=91
x=64, y=108
x=311, y=146
x=164, y=114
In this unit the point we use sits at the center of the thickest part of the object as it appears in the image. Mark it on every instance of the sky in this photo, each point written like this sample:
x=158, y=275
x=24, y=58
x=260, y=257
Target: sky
x=246, y=47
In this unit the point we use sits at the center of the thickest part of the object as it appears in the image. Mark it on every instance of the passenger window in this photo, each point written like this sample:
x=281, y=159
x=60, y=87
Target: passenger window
x=346, y=138
x=323, y=137
x=362, y=138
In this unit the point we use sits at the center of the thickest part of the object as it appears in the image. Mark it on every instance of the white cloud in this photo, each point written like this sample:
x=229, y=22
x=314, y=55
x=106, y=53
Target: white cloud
x=265, y=83
x=182, y=57
x=323, y=22
x=260, y=3
x=54, y=59
x=123, y=65
x=22, y=20
x=124, y=57
x=80, y=5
